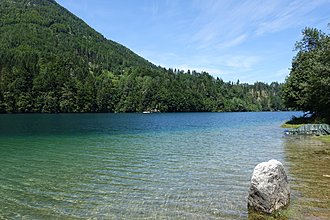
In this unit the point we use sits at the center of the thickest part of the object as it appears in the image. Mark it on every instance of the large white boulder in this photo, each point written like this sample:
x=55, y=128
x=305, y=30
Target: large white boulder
x=269, y=190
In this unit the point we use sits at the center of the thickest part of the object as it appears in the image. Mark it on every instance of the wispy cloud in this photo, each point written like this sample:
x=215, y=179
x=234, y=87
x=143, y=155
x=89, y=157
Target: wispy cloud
x=231, y=43
x=223, y=23
x=215, y=65
x=230, y=23
x=235, y=39
x=242, y=63
x=294, y=14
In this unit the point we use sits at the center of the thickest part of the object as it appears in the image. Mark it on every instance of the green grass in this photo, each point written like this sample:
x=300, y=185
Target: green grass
x=296, y=122
x=285, y=125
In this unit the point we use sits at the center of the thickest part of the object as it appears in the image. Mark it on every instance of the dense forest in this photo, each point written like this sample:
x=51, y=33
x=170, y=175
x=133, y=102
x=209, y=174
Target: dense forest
x=51, y=61
x=308, y=85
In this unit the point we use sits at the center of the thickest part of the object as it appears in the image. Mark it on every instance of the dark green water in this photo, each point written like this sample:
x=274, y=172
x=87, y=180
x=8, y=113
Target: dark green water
x=133, y=166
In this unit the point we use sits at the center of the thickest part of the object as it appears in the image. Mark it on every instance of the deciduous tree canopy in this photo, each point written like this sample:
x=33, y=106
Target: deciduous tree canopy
x=308, y=85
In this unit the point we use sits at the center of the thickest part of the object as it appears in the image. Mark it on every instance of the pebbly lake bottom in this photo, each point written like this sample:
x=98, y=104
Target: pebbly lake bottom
x=152, y=166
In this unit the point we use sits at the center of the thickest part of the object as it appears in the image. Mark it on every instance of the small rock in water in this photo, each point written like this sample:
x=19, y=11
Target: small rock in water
x=269, y=189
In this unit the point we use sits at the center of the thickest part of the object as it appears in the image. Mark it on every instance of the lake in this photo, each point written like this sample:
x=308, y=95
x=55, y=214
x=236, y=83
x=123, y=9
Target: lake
x=136, y=166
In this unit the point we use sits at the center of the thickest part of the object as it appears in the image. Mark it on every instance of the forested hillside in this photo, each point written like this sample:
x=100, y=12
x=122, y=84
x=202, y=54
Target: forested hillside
x=51, y=61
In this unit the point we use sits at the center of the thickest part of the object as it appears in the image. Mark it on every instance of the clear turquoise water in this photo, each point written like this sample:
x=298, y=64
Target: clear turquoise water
x=133, y=166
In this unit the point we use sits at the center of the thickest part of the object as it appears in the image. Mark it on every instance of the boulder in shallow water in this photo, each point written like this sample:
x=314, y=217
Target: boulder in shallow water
x=269, y=189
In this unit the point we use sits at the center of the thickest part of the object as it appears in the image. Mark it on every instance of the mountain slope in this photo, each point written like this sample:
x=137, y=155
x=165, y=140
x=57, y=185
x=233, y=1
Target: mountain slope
x=51, y=61
x=43, y=26
x=45, y=48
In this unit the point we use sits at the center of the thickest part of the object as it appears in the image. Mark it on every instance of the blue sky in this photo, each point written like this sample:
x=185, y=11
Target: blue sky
x=250, y=40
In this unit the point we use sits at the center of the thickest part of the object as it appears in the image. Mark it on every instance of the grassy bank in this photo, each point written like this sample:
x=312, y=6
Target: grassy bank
x=296, y=122
x=285, y=125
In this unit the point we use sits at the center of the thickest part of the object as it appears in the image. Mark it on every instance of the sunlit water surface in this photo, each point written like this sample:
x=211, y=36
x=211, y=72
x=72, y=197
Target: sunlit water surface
x=134, y=166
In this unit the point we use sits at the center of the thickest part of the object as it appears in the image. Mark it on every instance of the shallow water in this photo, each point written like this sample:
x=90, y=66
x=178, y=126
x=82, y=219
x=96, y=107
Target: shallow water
x=308, y=162
x=136, y=166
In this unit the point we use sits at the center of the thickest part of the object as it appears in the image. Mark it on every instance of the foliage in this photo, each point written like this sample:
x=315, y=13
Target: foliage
x=308, y=86
x=51, y=61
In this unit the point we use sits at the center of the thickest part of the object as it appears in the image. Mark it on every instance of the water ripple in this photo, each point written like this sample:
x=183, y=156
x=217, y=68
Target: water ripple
x=133, y=166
